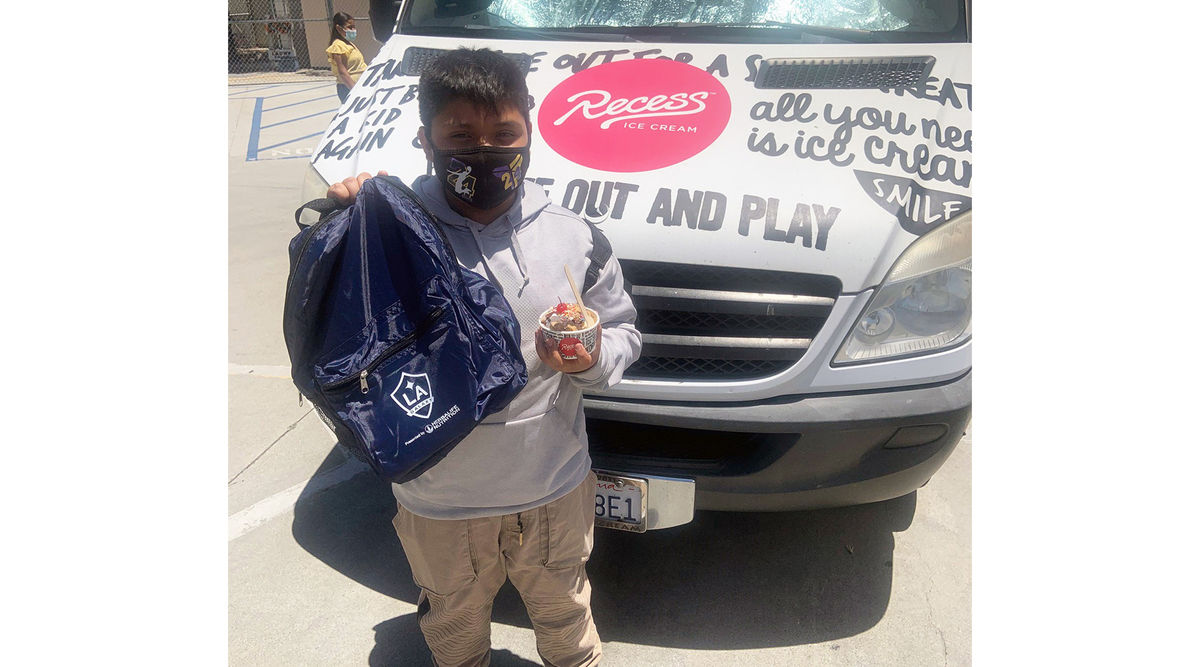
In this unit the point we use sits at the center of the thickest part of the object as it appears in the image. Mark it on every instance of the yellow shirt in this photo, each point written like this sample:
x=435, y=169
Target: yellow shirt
x=354, y=58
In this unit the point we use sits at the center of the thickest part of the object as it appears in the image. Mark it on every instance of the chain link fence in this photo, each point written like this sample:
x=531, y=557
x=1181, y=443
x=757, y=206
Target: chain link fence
x=281, y=50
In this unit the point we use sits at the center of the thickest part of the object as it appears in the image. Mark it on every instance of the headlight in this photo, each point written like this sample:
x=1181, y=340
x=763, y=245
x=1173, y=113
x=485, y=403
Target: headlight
x=924, y=303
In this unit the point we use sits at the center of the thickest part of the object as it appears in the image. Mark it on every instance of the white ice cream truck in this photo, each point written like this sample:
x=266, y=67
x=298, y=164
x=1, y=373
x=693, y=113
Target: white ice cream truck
x=786, y=184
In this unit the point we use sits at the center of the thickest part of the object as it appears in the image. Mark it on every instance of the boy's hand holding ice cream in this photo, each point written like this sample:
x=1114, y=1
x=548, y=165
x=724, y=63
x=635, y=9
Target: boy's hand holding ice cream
x=568, y=338
x=568, y=335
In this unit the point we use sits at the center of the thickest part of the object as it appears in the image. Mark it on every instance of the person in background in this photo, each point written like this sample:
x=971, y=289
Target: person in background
x=345, y=59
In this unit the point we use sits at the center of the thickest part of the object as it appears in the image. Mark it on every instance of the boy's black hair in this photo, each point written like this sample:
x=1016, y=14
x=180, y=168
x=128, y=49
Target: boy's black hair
x=486, y=78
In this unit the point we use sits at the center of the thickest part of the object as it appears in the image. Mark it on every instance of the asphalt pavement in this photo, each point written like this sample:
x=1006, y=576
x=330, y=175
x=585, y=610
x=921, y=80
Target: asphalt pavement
x=317, y=576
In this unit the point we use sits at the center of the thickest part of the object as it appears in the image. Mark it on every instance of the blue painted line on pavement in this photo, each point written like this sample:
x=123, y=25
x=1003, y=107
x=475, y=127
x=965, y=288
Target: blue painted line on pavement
x=292, y=120
x=293, y=157
x=254, y=90
x=303, y=102
x=293, y=92
x=255, y=120
x=290, y=141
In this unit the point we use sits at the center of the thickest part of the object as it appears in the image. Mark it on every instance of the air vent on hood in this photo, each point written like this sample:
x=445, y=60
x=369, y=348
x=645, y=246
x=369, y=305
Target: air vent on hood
x=417, y=57
x=897, y=72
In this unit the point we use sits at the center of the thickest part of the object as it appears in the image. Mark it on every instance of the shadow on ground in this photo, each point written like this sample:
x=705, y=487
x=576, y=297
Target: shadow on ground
x=399, y=642
x=724, y=581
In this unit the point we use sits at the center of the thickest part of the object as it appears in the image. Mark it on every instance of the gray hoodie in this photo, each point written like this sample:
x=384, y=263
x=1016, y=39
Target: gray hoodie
x=535, y=450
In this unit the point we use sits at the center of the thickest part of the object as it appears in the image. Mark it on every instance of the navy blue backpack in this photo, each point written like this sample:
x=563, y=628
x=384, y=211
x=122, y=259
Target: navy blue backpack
x=401, y=350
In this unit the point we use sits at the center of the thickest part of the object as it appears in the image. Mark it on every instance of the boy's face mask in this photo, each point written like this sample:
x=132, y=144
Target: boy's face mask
x=482, y=177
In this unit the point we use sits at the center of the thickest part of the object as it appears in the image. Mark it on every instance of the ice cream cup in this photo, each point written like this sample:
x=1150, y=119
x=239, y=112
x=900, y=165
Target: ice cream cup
x=586, y=336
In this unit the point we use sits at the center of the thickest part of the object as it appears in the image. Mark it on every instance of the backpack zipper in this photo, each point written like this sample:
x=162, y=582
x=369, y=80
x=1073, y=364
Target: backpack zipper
x=409, y=339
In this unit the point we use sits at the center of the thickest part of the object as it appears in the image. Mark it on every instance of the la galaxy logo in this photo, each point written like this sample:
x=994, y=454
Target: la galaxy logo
x=510, y=174
x=413, y=395
x=460, y=178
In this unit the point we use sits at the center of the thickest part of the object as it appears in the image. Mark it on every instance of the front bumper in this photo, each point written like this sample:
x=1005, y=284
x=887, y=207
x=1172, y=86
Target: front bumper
x=786, y=453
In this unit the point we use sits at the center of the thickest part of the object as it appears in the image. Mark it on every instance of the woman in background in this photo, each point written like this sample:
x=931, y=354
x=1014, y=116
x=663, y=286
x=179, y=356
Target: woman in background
x=345, y=59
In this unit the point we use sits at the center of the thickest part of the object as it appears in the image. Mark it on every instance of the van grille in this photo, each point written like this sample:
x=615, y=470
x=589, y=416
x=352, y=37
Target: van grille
x=721, y=323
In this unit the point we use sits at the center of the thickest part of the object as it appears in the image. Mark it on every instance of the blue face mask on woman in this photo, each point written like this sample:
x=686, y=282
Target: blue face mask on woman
x=351, y=34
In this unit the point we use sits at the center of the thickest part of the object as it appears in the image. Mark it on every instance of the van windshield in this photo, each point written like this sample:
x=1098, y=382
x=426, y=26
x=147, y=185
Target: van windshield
x=837, y=18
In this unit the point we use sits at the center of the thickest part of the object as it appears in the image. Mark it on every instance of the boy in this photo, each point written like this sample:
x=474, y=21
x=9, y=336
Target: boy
x=515, y=499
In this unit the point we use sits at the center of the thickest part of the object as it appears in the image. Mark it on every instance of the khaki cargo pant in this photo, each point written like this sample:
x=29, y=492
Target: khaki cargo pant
x=460, y=566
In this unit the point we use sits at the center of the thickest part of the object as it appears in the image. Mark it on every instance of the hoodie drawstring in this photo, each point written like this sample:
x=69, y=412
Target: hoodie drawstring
x=520, y=257
x=517, y=254
x=483, y=255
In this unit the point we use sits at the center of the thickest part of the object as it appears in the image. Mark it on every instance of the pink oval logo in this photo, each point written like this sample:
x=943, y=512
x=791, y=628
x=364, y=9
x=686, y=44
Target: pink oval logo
x=634, y=115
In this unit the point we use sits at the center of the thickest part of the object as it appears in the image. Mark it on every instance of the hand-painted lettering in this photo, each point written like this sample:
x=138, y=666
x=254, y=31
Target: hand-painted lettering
x=597, y=199
x=577, y=62
x=753, y=208
x=660, y=210
x=380, y=117
x=623, y=190
x=801, y=226
x=870, y=118
x=535, y=59
x=366, y=142
x=379, y=96
x=825, y=220
x=752, y=66
x=766, y=144
x=816, y=148
x=879, y=146
x=594, y=208
x=919, y=162
x=945, y=92
x=949, y=137
x=719, y=65
x=789, y=107
x=381, y=72
x=917, y=208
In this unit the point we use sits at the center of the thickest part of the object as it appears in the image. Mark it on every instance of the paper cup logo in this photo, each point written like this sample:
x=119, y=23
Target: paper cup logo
x=634, y=115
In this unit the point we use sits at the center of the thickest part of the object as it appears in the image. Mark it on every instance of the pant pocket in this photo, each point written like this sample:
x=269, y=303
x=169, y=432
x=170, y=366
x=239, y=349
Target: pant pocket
x=439, y=552
x=568, y=525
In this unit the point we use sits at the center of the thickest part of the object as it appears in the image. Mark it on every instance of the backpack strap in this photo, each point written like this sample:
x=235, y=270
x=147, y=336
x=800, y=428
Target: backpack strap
x=601, y=252
x=325, y=206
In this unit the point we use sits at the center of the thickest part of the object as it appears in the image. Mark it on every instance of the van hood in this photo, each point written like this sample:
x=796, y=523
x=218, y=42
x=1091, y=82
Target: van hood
x=718, y=154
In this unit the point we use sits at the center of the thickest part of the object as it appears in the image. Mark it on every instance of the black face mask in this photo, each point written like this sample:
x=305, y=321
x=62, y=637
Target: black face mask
x=482, y=177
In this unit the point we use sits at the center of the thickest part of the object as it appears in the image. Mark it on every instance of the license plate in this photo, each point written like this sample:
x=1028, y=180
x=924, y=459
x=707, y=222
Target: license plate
x=621, y=502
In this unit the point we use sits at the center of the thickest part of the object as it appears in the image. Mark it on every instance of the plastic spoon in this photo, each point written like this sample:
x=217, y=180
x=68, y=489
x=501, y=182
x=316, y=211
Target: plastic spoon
x=587, y=320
